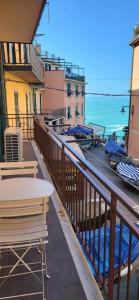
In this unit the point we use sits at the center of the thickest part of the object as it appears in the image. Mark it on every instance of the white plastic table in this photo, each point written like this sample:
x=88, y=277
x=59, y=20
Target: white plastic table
x=24, y=188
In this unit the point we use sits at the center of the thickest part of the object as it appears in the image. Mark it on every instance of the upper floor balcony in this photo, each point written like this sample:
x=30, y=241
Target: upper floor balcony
x=74, y=76
x=23, y=60
x=71, y=71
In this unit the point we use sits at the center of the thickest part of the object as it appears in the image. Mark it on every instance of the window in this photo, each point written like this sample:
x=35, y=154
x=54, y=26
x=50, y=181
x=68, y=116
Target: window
x=47, y=67
x=27, y=104
x=34, y=103
x=76, y=110
x=40, y=103
x=27, y=110
x=69, y=90
x=30, y=104
x=82, y=112
x=83, y=93
x=76, y=90
x=16, y=104
x=69, y=112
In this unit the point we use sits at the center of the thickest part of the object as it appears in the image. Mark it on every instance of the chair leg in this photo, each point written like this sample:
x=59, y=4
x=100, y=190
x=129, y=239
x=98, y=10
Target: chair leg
x=43, y=271
x=46, y=274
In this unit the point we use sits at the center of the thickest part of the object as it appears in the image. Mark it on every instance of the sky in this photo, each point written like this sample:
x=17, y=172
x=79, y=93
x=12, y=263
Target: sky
x=94, y=34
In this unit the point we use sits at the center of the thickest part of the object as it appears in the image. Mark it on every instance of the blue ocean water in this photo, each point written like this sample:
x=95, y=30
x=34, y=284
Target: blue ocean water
x=105, y=111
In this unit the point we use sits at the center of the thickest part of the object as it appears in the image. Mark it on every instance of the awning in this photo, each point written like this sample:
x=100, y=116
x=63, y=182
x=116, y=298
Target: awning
x=79, y=130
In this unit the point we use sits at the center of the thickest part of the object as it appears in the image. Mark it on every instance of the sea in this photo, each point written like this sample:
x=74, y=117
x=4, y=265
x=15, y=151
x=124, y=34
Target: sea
x=106, y=111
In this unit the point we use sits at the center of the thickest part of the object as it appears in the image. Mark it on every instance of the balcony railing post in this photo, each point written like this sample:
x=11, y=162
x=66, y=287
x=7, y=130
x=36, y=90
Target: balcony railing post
x=112, y=246
x=63, y=175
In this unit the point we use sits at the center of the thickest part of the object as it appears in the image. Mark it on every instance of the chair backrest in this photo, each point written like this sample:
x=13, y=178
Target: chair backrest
x=18, y=168
x=22, y=208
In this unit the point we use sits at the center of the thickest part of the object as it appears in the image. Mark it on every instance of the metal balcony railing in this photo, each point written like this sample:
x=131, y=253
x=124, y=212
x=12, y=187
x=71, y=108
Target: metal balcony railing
x=54, y=113
x=23, y=55
x=74, y=76
x=95, y=207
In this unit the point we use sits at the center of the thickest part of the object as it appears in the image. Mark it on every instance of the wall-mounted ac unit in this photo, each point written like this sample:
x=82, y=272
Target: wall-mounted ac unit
x=13, y=144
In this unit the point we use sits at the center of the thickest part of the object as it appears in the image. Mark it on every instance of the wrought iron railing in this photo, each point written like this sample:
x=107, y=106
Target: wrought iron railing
x=95, y=207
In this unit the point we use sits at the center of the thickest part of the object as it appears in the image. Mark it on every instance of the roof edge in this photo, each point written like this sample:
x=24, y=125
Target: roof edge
x=135, y=41
x=39, y=18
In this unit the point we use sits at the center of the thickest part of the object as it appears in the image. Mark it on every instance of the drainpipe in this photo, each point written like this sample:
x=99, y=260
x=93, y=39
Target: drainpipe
x=3, y=106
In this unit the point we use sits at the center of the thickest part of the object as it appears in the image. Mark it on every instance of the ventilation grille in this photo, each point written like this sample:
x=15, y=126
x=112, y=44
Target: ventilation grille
x=13, y=145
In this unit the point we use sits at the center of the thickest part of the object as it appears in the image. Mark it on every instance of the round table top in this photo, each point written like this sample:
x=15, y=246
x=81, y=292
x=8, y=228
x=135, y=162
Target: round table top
x=24, y=188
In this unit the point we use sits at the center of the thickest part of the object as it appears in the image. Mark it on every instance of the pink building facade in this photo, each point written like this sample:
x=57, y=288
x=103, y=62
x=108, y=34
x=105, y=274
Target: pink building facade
x=133, y=140
x=64, y=92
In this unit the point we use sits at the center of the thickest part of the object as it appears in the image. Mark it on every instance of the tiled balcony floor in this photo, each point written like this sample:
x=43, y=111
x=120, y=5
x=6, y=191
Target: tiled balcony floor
x=64, y=283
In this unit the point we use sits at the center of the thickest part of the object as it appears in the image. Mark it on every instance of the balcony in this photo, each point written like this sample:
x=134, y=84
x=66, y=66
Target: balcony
x=23, y=61
x=21, y=25
x=63, y=251
x=94, y=207
x=74, y=76
x=54, y=113
x=53, y=62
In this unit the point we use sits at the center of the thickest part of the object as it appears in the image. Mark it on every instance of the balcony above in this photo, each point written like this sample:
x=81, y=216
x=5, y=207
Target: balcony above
x=19, y=19
x=23, y=60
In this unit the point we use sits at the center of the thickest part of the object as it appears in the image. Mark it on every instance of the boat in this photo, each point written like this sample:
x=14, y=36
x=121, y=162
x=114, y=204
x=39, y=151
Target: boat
x=122, y=109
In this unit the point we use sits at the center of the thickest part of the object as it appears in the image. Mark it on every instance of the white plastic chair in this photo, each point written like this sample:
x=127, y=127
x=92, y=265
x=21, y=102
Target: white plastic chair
x=23, y=226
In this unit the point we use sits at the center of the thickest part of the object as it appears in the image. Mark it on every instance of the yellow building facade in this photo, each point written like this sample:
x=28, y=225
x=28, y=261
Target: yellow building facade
x=19, y=95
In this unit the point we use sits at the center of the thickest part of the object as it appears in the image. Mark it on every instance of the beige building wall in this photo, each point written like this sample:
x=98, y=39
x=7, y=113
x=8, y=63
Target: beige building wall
x=135, y=75
x=133, y=141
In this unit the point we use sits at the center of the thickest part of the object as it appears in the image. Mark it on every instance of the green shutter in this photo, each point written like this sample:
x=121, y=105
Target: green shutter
x=76, y=90
x=40, y=103
x=17, y=117
x=27, y=120
x=34, y=103
x=69, y=112
x=69, y=89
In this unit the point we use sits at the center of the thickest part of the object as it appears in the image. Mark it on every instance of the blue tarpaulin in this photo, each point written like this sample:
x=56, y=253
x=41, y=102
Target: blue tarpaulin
x=79, y=130
x=112, y=147
x=95, y=240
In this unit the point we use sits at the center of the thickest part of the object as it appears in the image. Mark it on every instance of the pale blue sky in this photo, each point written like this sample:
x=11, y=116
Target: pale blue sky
x=94, y=34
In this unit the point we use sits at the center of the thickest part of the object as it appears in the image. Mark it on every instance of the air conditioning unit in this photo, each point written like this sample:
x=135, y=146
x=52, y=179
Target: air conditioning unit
x=13, y=144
